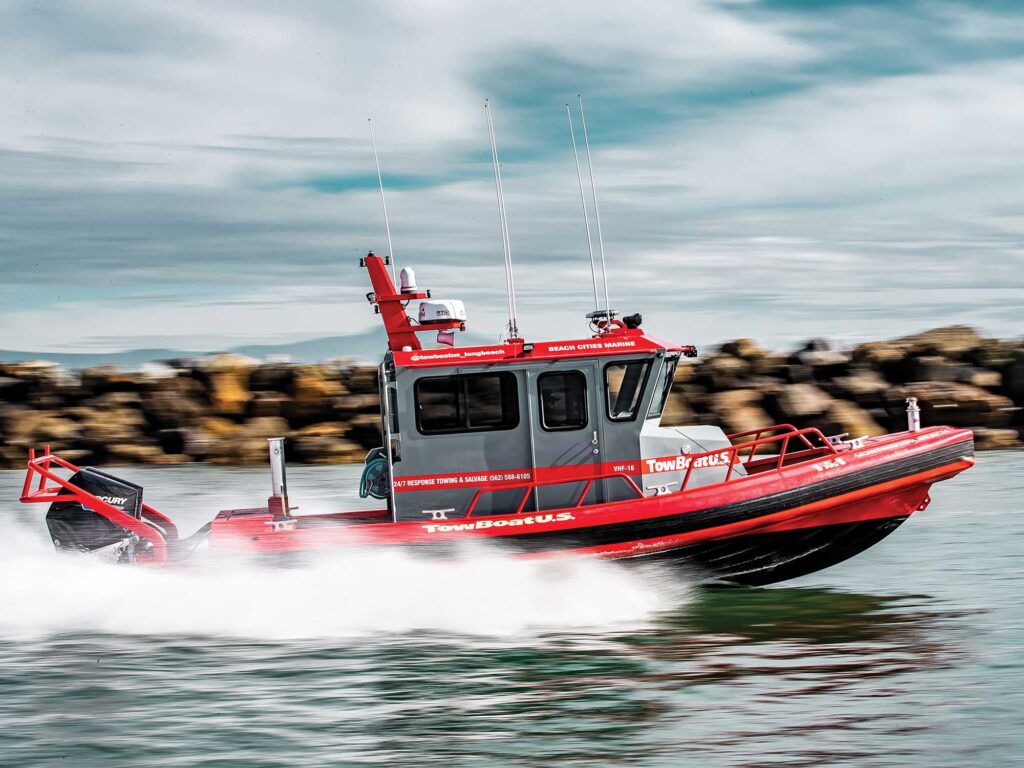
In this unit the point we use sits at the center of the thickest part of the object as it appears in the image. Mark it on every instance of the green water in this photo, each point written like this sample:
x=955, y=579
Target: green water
x=910, y=654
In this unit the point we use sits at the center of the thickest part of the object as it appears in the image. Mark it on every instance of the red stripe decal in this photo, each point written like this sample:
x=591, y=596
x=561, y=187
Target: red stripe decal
x=565, y=474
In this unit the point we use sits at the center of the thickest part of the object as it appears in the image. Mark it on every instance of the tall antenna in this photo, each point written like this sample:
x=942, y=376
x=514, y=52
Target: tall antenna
x=384, y=205
x=510, y=285
x=597, y=210
x=583, y=201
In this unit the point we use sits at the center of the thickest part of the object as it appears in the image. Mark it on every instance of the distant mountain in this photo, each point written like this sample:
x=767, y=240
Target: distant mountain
x=366, y=346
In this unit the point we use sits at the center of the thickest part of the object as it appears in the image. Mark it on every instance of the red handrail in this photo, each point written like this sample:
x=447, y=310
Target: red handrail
x=68, y=491
x=719, y=457
x=731, y=456
x=757, y=440
x=529, y=486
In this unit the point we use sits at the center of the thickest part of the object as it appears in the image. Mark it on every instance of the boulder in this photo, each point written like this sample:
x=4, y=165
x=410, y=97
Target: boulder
x=324, y=444
x=351, y=405
x=721, y=371
x=744, y=349
x=104, y=427
x=265, y=403
x=1013, y=377
x=825, y=364
x=361, y=380
x=685, y=372
x=228, y=443
x=949, y=341
x=364, y=430
x=843, y=417
x=986, y=439
x=140, y=453
x=100, y=379
x=13, y=390
x=172, y=441
x=168, y=408
x=272, y=377
x=36, y=372
x=314, y=383
x=771, y=365
x=800, y=402
x=994, y=355
x=956, y=404
x=878, y=353
x=979, y=377
x=723, y=402
x=796, y=373
x=113, y=400
x=863, y=386
x=935, y=368
x=744, y=420
x=31, y=428
x=677, y=411
x=227, y=383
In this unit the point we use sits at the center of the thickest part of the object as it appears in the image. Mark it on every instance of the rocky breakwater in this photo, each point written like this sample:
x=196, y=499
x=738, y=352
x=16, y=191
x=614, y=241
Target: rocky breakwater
x=222, y=409
x=959, y=377
x=219, y=409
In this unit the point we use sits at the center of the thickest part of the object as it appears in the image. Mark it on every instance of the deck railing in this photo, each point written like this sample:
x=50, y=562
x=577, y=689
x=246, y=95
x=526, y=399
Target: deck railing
x=782, y=435
x=731, y=456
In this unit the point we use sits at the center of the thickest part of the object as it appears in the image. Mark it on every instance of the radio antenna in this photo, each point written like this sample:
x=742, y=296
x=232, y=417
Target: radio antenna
x=583, y=201
x=383, y=204
x=597, y=210
x=510, y=285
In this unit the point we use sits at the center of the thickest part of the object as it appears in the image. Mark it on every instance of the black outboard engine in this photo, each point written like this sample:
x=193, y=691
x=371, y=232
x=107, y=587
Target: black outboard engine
x=75, y=527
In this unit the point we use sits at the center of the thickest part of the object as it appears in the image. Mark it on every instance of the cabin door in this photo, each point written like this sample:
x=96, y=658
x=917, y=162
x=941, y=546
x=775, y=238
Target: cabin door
x=565, y=427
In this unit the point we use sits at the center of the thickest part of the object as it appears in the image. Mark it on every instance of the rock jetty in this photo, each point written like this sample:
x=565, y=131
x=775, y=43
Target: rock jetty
x=222, y=409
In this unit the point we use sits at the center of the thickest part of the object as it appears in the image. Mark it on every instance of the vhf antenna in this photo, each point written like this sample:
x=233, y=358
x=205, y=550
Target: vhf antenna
x=510, y=285
x=597, y=210
x=583, y=202
x=383, y=204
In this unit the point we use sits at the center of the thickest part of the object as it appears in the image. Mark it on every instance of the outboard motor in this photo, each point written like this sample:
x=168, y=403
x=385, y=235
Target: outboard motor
x=73, y=526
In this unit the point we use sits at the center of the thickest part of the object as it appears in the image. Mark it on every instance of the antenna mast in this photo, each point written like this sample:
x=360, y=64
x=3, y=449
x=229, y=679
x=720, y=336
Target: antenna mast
x=510, y=285
x=597, y=210
x=583, y=201
x=384, y=205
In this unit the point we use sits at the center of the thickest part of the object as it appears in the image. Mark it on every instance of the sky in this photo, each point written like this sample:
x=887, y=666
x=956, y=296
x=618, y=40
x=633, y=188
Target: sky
x=198, y=175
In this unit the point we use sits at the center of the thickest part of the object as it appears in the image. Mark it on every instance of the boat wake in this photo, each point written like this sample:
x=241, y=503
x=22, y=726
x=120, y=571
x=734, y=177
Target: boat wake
x=478, y=592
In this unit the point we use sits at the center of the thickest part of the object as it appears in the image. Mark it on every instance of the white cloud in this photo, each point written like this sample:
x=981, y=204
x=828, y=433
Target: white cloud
x=162, y=146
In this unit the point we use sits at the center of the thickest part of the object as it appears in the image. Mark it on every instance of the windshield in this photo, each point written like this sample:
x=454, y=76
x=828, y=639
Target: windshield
x=663, y=387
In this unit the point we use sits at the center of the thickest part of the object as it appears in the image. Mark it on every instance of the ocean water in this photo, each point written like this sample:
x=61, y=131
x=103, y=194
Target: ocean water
x=910, y=654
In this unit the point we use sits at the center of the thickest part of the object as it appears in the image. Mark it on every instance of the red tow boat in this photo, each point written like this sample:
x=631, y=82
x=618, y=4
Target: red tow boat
x=550, y=447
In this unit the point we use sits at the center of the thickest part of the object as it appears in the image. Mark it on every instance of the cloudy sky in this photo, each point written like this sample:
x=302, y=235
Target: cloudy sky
x=198, y=174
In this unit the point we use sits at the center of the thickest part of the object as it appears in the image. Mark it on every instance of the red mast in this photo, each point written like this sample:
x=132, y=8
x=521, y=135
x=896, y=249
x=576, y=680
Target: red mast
x=391, y=306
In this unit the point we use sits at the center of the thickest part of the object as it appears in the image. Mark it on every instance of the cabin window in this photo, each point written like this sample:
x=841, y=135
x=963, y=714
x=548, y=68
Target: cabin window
x=663, y=387
x=469, y=403
x=624, y=385
x=563, y=400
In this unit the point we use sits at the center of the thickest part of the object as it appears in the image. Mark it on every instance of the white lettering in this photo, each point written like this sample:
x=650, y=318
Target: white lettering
x=501, y=522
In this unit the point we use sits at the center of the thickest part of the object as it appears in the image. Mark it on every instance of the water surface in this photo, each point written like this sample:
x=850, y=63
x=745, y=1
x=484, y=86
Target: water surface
x=908, y=654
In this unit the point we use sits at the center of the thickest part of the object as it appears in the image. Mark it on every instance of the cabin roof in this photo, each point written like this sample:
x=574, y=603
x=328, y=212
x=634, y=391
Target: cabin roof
x=608, y=345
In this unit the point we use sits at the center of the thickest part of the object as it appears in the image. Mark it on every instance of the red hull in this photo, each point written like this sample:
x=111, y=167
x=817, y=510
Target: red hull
x=886, y=479
x=792, y=514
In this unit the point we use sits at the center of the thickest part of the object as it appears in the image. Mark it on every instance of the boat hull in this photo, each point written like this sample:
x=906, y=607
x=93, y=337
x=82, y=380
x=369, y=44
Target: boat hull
x=757, y=559
x=755, y=530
